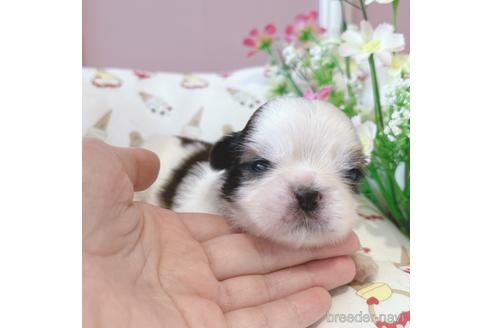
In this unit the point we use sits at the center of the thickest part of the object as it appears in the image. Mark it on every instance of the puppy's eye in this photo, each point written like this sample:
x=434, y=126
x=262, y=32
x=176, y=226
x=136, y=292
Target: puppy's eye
x=260, y=165
x=354, y=175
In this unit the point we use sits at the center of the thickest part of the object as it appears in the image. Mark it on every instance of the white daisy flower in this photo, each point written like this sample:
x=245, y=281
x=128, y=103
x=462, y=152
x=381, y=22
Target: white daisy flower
x=367, y=134
x=381, y=42
x=399, y=65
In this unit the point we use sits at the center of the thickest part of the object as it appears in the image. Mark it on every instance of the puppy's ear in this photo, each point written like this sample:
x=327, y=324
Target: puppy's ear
x=225, y=152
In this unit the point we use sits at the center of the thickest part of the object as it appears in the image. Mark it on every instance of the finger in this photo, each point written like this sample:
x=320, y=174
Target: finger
x=298, y=310
x=239, y=254
x=141, y=165
x=204, y=227
x=247, y=291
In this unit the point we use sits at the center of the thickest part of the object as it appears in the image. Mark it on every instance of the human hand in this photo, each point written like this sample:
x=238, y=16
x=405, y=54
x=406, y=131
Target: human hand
x=145, y=266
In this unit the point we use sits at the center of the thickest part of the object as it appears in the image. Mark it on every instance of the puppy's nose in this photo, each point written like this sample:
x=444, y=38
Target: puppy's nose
x=308, y=199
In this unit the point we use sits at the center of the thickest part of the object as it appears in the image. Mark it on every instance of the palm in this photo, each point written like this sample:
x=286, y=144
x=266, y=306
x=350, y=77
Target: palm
x=146, y=266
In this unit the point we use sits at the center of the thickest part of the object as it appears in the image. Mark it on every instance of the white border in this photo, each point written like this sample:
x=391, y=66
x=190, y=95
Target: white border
x=451, y=161
x=40, y=166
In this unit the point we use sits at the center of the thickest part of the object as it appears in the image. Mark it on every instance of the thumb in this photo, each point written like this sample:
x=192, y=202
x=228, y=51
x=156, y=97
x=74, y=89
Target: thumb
x=141, y=165
x=110, y=176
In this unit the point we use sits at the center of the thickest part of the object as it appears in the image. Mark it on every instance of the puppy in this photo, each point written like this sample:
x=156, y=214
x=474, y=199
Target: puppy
x=290, y=175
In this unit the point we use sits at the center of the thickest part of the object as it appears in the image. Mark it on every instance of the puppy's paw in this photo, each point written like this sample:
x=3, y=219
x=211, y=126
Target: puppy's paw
x=365, y=268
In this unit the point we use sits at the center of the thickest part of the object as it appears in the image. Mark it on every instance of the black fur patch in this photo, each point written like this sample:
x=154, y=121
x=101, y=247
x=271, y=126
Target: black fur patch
x=356, y=174
x=227, y=155
x=233, y=179
x=226, y=152
x=168, y=191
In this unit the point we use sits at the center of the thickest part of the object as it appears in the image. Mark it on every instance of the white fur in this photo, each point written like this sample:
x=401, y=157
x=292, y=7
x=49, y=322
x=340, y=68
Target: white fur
x=199, y=192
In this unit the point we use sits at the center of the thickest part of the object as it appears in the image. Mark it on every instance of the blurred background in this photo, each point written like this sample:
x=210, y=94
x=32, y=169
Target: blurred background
x=193, y=35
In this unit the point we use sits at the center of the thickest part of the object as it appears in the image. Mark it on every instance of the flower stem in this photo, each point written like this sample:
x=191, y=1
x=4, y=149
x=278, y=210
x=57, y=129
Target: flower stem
x=364, y=10
x=383, y=175
x=375, y=92
x=285, y=71
x=391, y=209
x=378, y=113
x=347, y=59
x=395, y=13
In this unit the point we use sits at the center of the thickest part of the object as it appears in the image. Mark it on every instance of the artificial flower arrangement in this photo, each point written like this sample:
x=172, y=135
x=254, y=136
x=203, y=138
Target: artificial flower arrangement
x=363, y=73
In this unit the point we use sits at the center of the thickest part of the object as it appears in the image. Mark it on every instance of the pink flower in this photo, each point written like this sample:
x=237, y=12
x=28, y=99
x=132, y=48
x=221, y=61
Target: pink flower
x=260, y=40
x=142, y=74
x=305, y=28
x=322, y=94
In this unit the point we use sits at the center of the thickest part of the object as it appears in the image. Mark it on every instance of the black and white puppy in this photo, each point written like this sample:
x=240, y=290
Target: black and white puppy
x=289, y=176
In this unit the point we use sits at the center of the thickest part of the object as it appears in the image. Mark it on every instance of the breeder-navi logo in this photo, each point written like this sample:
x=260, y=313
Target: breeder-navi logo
x=391, y=319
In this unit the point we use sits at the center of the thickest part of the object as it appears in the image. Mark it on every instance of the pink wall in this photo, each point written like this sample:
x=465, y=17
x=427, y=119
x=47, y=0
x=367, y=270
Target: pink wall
x=180, y=35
